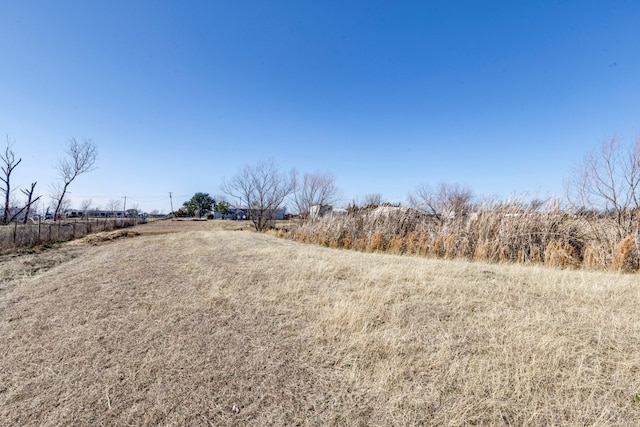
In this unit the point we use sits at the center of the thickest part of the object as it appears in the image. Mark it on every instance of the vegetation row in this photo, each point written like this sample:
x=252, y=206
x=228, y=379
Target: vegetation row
x=495, y=232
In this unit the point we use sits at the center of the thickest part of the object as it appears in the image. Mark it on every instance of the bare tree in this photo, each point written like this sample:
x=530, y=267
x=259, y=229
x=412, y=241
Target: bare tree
x=85, y=207
x=608, y=183
x=314, y=189
x=30, y=201
x=9, y=163
x=372, y=200
x=444, y=201
x=24, y=210
x=64, y=206
x=114, y=205
x=81, y=158
x=261, y=189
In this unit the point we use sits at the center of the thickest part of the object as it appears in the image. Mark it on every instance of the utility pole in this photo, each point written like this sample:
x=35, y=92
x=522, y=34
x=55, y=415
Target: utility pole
x=124, y=210
x=171, y=198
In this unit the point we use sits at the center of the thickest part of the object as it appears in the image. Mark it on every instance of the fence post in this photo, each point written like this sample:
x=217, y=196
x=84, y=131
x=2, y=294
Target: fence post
x=15, y=231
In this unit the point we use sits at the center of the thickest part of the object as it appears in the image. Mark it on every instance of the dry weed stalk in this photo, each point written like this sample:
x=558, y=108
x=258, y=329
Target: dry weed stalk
x=626, y=257
x=510, y=231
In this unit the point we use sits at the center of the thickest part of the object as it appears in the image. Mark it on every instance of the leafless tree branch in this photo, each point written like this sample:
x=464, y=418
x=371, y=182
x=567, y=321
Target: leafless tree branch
x=314, y=189
x=9, y=163
x=261, y=189
x=81, y=158
x=607, y=185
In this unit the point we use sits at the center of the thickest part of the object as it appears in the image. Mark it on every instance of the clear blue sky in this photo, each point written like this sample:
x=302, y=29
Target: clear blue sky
x=503, y=96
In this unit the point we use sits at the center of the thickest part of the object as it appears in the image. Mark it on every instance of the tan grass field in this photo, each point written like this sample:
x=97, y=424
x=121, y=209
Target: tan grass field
x=195, y=323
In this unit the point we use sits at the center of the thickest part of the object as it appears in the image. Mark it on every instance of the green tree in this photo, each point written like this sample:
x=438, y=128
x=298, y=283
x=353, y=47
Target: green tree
x=222, y=207
x=199, y=204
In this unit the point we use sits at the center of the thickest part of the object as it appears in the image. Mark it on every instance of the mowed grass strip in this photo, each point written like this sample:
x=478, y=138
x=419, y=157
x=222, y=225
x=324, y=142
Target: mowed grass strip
x=196, y=325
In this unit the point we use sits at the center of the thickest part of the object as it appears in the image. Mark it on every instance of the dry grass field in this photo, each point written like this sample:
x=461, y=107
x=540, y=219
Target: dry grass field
x=196, y=323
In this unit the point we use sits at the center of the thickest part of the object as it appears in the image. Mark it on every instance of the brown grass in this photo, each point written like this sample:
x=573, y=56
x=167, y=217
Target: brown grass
x=501, y=232
x=189, y=324
x=626, y=257
x=559, y=253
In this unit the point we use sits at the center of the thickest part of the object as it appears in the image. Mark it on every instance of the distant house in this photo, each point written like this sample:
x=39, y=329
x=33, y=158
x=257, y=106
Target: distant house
x=243, y=213
x=97, y=213
x=389, y=211
x=11, y=211
x=232, y=213
x=279, y=214
x=339, y=212
x=317, y=211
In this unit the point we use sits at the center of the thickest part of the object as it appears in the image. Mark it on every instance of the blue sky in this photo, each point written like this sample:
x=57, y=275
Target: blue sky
x=503, y=96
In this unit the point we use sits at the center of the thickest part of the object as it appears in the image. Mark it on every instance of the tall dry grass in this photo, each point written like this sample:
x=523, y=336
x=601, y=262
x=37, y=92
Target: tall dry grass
x=494, y=232
x=188, y=324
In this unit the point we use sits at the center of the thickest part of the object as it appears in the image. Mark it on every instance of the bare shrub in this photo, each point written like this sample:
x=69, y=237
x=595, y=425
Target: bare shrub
x=596, y=256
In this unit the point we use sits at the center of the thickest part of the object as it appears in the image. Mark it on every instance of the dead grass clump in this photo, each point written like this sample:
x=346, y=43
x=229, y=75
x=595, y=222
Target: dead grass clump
x=377, y=242
x=345, y=241
x=451, y=248
x=536, y=254
x=423, y=244
x=397, y=245
x=487, y=250
x=108, y=236
x=560, y=253
x=595, y=256
x=437, y=247
x=360, y=244
x=412, y=243
x=530, y=254
x=626, y=256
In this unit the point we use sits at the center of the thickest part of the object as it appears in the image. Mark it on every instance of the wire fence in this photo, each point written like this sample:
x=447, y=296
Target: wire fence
x=16, y=236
